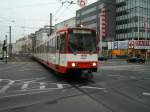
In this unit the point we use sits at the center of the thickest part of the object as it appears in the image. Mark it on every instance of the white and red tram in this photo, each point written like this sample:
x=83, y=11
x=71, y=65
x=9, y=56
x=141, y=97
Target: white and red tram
x=69, y=50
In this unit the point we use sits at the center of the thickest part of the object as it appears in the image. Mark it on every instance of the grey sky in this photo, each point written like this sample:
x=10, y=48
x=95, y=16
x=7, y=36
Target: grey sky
x=26, y=16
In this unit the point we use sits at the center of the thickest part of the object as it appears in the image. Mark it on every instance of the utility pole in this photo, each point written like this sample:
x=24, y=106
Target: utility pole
x=10, y=44
x=138, y=22
x=50, y=23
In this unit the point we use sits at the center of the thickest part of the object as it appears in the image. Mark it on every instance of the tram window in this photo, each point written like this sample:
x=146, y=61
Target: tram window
x=58, y=43
x=53, y=45
x=50, y=45
x=47, y=47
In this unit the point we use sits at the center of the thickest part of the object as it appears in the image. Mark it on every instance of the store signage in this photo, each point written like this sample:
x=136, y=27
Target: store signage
x=115, y=45
x=131, y=44
x=142, y=44
x=82, y=3
x=139, y=44
x=103, y=22
x=122, y=44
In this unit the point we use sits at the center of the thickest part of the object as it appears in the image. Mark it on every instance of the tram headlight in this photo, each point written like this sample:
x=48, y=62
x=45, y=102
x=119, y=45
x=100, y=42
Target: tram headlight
x=94, y=64
x=73, y=64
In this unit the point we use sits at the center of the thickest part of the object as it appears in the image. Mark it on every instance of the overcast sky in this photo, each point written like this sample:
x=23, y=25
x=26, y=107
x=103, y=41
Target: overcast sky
x=27, y=16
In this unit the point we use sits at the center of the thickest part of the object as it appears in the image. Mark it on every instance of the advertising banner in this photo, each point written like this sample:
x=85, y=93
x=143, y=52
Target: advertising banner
x=103, y=22
x=118, y=45
x=122, y=44
x=139, y=44
x=142, y=44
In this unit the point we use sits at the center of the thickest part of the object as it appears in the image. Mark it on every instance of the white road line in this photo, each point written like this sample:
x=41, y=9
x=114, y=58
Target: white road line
x=31, y=93
x=88, y=87
x=32, y=90
x=25, y=85
x=23, y=80
x=5, y=80
x=4, y=89
x=60, y=86
x=42, y=85
x=114, y=75
x=146, y=94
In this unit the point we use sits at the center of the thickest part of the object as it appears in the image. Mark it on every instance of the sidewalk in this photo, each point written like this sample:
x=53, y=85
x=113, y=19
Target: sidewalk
x=118, y=62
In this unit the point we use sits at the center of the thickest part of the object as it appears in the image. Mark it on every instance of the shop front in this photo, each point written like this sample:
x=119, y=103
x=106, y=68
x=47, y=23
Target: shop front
x=140, y=48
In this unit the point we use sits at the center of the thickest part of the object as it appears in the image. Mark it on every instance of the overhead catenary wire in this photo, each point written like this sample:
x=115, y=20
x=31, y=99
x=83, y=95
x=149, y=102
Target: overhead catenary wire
x=59, y=8
x=64, y=10
x=29, y=5
x=59, y=12
x=66, y=7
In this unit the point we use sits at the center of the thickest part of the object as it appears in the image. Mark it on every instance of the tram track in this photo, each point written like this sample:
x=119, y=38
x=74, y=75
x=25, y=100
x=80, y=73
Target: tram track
x=113, y=89
x=110, y=90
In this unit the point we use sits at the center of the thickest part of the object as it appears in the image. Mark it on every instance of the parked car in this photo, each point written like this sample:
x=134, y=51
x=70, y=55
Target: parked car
x=102, y=58
x=136, y=60
x=122, y=56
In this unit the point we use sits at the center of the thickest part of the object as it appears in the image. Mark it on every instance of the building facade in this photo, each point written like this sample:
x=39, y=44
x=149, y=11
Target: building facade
x=132, y=19
x=133, y=23
x=91, y=16
x=125, y=20
x=67, y=23
x=41, y=35
x=101, y=17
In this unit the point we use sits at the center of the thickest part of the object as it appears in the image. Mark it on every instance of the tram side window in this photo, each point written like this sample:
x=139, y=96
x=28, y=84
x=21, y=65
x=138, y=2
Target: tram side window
x=50, y=45
x=53, y=45
x=63, y=43
x=47, y=47
x=58, y=43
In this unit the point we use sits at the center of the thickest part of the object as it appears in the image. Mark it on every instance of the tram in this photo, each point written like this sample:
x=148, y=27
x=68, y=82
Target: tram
x=69, y=50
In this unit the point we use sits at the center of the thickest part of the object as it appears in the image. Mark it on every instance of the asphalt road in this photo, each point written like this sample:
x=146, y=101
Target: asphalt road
x=27, y=86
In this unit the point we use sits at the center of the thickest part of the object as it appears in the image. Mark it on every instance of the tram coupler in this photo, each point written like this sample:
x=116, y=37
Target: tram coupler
x=87, y=74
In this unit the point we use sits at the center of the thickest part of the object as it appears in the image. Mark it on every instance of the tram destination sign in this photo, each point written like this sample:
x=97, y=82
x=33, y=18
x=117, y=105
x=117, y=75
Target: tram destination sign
x=82, y=31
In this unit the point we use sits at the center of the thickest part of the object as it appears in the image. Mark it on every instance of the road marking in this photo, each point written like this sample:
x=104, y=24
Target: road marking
x=146, y=94
x=25, y=85
x=31, y=93
x=89, y=87
x=42, y=85
x=23, y=80
x=114, y=75
x=4, y=89
x=30, y=70
x=5, y=80
x=60, y=86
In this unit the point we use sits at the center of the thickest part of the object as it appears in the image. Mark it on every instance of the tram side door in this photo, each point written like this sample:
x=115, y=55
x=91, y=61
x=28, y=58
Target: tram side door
x=61, y=48
x=58, y=42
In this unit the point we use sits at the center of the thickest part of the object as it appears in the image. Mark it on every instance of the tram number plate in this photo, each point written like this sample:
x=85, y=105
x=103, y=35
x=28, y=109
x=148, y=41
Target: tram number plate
x=83, y=56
